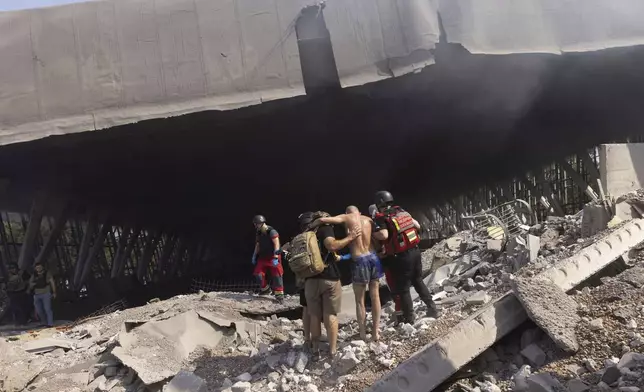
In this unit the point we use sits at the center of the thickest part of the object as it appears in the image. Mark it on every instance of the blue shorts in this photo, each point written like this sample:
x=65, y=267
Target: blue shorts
x=366, y=268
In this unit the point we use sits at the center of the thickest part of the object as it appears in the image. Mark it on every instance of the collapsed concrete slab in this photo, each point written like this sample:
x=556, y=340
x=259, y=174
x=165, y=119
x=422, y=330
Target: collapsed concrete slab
x=172, y=339
x=437, y=361
x=551, y=309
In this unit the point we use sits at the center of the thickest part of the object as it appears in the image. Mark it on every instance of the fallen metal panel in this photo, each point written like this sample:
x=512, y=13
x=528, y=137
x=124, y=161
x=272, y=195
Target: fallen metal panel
x=437, y=361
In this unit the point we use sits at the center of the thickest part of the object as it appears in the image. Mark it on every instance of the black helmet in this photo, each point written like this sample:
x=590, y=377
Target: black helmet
x=383, y=198
x=259, y=219
x=305, y=219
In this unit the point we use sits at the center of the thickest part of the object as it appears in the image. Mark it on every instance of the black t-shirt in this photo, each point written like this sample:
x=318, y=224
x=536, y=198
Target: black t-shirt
x=331, y=272
x=266, y=247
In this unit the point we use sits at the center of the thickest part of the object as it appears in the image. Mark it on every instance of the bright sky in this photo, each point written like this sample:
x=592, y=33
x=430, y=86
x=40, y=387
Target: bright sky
x=11, y=5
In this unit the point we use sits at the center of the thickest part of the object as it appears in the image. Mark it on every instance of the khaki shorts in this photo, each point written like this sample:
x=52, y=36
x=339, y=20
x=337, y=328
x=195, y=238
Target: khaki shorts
x=323, y=297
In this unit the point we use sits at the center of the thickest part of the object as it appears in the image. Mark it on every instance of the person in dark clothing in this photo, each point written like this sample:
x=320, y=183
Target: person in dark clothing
x=16, y=288
x=267, y=258
x=323, y=292
x=398, y=232
x=43, y=286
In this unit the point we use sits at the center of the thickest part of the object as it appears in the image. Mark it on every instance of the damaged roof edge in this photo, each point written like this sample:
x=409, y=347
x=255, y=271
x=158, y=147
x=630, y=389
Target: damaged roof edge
x=101, y=64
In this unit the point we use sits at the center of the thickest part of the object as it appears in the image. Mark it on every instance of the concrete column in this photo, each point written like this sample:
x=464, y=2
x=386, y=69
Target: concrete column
x=119, y=257
x=578, y=179
x=94, y=252
x=90, y=229
x=60, y=221
x=166, y=252
x=128, y=249
x=148, y=251
x=26, y=258
x=178, y=258
x=590, y=166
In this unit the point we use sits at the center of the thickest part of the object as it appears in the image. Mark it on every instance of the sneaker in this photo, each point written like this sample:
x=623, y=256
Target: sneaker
x=279, y=298
x=264, y=291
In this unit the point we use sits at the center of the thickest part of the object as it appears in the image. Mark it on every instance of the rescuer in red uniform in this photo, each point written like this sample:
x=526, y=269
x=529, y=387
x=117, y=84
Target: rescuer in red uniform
x=398, y=232
x=267, y=258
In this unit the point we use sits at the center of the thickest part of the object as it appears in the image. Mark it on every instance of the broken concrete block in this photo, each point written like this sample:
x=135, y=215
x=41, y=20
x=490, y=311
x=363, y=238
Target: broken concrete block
x=576, y=385
x=241, y=386
x=534, y=354
x=631, y=360
x=46, y=345
x=534, y=244
x=596, y=324
x=633, y=276
x=273, y=361
x=244, y=377
x=594, y=219
x=495, y=245
x=186, y=382
x=478, y=298
x=520, y=378
x=551, y=309
x=543, y=382
x=301, y=361
x=487, y=386
x=347, y=363
x=611, y=375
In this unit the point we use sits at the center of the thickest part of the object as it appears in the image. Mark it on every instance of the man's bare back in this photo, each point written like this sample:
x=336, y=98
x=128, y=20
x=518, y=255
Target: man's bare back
x=354, y=223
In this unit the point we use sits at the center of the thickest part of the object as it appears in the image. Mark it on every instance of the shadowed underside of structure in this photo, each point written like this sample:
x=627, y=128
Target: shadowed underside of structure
x=466, y=121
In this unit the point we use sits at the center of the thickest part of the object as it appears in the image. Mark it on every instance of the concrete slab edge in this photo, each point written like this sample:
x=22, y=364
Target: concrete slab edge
x=433, y=364
x=572, y=271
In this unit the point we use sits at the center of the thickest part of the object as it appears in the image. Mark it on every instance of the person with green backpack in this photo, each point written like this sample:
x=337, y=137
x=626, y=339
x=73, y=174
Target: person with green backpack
x=312, y=258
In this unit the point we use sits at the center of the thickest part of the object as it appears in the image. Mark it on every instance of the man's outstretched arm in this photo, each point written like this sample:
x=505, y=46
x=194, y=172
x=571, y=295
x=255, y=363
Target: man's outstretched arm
x=333, y=220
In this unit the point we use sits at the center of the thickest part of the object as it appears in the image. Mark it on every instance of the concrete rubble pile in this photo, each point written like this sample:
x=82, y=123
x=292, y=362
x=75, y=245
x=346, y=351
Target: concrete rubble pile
x=207, y=342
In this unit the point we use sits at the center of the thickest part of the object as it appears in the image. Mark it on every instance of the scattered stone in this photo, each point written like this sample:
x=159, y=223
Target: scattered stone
x=633, y=276
x=591, y=365
x=596, y=324
x=241, y=386
x=631, y=324
x=186, y=382
x=244, y=377
x=301, y=361
x=487, y=386
x=543, y=382
x=611, y=375
x=347, y=363
x=478, y=298
x=631, y=360
x=576, y=385
x=551, y=309
x=534, y=354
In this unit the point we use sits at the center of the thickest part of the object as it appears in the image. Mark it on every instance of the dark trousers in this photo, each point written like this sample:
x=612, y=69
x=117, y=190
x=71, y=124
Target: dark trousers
x=19, y=306
x=407, y=270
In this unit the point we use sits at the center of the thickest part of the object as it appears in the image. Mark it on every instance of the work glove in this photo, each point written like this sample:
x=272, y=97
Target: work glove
x=254, y=259
x=276, y=261
x=345, y=257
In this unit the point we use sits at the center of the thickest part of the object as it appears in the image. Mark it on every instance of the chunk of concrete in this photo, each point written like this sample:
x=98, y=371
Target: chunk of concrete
x=576, y=385
x=46, y=345
x=631, y=360
x=534, y=244
x=594, y=219
x=478, y=298
x=633, y=276
x=543, y=382
x=534, y=354
x=551, y=309
x=241, y=386
x=611, y=375
x=186, y=382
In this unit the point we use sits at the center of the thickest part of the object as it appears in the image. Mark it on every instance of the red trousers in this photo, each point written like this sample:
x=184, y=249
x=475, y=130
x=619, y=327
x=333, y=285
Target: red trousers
x=265, y=265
